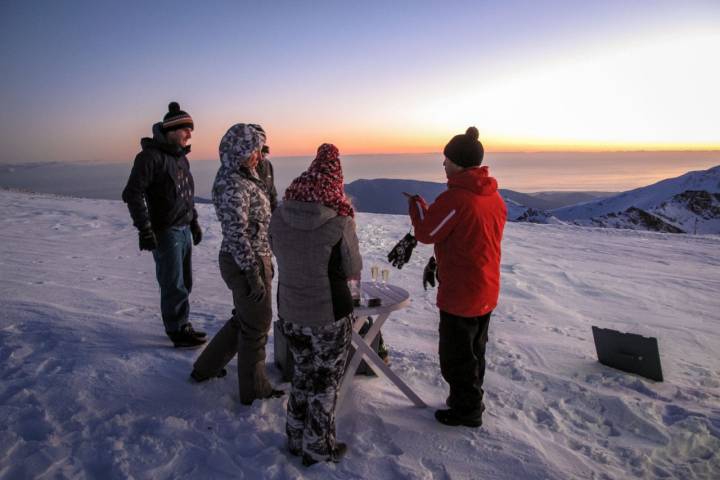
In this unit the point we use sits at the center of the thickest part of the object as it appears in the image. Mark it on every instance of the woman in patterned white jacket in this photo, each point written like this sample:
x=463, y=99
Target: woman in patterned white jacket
x=242, y=205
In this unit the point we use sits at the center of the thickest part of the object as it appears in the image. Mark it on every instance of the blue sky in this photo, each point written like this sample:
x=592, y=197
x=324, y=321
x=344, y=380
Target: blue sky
x=84, y=80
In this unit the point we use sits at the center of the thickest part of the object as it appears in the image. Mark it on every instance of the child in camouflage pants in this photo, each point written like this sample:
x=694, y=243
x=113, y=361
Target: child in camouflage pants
x=319, y=354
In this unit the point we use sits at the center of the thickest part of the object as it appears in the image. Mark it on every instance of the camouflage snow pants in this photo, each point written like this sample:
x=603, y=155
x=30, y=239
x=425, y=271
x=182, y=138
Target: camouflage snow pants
x=319, y=354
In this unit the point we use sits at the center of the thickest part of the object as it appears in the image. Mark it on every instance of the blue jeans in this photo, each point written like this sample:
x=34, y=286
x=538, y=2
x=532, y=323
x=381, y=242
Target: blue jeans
x=173, y=268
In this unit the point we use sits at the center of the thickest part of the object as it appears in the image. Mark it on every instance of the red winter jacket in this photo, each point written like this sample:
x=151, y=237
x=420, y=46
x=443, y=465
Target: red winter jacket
x=466, y=225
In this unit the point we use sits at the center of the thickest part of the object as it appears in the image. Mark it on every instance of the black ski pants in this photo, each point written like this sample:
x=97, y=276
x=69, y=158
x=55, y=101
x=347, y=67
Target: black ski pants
x=462, y=360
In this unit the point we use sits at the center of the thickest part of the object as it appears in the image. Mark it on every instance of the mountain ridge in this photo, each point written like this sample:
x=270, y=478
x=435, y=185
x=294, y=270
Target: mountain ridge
x=689, y=203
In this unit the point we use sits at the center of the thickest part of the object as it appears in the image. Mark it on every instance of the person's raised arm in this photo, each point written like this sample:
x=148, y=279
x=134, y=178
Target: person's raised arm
x=433, y=223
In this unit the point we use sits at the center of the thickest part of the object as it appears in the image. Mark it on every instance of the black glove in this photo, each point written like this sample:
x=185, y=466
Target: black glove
x=257, y=286
x=196, y=232
x=400, y=254
x=148, y=241
x=429, y=273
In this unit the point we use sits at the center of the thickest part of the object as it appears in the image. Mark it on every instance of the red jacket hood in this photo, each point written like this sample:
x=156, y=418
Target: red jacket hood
x=477, y=180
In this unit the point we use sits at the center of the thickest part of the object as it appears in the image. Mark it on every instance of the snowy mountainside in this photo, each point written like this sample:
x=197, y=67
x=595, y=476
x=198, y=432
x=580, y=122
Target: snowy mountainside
x=92, y=389
x=632, y=219
x=694, y=211
x=686, y=204
x=514, y=209
x=645, y=197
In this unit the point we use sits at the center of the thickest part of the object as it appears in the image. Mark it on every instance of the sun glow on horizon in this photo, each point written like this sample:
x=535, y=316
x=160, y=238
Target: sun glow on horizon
x=656, y=94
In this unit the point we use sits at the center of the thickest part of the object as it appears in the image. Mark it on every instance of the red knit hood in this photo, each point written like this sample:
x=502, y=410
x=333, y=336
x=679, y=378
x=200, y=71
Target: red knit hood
x=322, y=182
x=477, y=180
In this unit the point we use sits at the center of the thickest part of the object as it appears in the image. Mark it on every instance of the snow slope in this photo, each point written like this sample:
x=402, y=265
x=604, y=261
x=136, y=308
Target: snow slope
x=644, y=197
x=91, y=388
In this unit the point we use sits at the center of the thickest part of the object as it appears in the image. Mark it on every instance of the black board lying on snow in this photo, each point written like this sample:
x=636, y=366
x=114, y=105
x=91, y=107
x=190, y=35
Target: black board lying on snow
x=628, y=352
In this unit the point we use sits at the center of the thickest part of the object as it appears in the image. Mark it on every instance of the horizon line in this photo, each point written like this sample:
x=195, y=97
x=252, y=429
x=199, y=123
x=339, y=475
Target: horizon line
x=525, y=152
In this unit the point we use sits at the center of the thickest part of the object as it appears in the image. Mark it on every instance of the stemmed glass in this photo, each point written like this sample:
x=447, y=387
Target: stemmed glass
x=385, y=277
x=374, y=271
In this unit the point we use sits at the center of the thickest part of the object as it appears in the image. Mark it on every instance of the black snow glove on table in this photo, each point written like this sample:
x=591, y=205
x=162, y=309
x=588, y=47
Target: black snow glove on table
x=147, y=238
x=400, y=254
x=196, y=232
x=430, y=273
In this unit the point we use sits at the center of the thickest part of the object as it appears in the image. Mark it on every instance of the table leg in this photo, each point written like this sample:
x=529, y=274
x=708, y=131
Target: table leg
x=363, y=349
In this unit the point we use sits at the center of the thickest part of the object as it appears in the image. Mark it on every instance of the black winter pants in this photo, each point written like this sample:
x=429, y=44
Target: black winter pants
x=462, y=360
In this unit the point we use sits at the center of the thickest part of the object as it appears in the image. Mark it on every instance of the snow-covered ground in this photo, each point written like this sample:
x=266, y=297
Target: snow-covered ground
x=92, y=389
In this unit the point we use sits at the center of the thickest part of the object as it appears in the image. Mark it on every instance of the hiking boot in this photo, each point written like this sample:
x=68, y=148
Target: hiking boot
x=455, y=418
x=337, y=453
x=184, y=338
x=451, y=402
x=295, y=451
x=383, y=351
x=273, y=394
x=276, y=393
x=196, y=333
x=198, y=377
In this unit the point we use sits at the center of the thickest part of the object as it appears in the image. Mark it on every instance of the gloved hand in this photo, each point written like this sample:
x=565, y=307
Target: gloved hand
x=196, y=231
x=147, y=238
x=429, y=273
x=400, y=254
x=257, y=286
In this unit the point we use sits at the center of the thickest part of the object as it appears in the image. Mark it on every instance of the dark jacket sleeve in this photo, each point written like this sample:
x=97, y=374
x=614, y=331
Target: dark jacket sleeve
x=134, y=194
x=272, y=189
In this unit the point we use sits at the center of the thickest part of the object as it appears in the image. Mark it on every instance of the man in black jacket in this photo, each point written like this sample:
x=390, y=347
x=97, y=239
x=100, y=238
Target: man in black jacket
x=159, y=195
x=266, y=173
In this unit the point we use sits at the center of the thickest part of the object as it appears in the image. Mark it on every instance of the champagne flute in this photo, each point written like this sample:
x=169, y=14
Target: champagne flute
x=374, y=270
x=385, y=277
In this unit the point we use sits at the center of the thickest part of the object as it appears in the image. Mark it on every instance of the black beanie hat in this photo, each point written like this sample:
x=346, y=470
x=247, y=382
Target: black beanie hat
x=176, y=118
x=465, y=150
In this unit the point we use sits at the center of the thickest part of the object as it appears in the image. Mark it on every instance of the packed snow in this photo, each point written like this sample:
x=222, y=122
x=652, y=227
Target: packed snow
x=91, y=387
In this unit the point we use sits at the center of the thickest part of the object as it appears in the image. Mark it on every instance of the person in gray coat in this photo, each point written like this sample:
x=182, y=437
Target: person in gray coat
x=242, y=205
x=314, y=240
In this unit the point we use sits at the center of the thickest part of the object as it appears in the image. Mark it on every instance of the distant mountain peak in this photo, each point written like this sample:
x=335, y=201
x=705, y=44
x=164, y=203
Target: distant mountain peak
x=688, y=203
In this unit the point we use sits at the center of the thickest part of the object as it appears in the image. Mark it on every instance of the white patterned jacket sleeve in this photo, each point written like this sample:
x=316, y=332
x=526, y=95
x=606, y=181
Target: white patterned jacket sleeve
x=232, y=206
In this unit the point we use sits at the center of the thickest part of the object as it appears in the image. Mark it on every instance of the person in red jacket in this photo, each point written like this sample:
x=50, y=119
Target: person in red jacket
x=465, y=223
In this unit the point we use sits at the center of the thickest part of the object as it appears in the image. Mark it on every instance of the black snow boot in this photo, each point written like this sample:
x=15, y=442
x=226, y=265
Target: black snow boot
x=198, y=377
x=455, y=418
x=335, y=456
x=185, y=338
x=196, y=333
